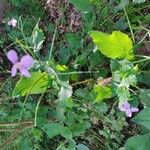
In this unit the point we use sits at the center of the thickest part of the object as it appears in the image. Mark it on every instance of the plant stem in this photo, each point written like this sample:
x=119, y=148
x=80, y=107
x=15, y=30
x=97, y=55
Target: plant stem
x=129, y=25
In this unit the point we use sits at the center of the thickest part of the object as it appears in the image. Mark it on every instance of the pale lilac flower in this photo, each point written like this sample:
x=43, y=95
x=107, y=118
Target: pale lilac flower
x=128, y=109
x=23, y=65
x=12, y=22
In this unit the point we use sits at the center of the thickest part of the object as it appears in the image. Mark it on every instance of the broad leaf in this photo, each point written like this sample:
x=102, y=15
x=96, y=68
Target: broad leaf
x=143, y=118
x=144, y=77
x=115, y=45
x=36, y=84
x=139, y=142
x=101, y=92
x=80, y=128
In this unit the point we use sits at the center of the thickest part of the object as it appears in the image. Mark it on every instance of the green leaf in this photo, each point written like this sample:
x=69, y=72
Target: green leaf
x=37, y=38
x=144, y=77
x=80, y=128
x=65, y=91
x=143, y=118
x=139, y=142
x=101, y=92
x=53, y=129
x=145, y=97
x=66, y=133
x=34, y=85
x=115, y=45
x=121, y=5
x=82, y=5
x=25, y=144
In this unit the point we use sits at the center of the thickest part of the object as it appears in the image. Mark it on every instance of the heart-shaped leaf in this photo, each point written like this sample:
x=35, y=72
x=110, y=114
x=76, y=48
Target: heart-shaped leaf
x=115, y=45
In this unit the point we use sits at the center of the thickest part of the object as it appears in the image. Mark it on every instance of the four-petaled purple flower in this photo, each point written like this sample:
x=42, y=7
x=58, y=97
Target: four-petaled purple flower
x=23, y=65
x=12, y=22
x=128, y=109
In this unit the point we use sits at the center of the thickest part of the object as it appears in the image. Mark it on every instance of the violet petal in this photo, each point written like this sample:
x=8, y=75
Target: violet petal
x=12, y=56
x=13, y=71
x=124, y=107
x=25, y=72
x=129, y=113
x=133, y=109
x=27, y=61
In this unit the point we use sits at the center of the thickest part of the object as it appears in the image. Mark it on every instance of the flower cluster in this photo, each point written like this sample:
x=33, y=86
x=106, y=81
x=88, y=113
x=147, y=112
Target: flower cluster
x=23, y=65
x=128, y=109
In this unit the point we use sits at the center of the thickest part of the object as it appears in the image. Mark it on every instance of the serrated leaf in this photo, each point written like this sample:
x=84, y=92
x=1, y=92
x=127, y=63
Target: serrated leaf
x=115, y=45
x=143, y=118
x=34, y=85
x=66, y=133
x=101, y=92
x=80, y=128
x=53, y=129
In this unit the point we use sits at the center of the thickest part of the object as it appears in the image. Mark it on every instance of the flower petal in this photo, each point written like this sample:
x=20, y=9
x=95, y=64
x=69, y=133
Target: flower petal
x=124, y=106
x=27, y=61
x=134, y=109
x=12, y=56
x=13, y=71
x=24, y=72
x=129, y=113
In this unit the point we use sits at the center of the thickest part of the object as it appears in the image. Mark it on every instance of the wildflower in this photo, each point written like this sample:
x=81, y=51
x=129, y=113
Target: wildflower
x=23, y=65
x=12, y=22
x=128, y=109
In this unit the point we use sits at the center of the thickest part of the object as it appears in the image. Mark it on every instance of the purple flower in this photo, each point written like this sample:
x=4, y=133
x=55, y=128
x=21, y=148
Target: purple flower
x=128, y=109
x=23, y=65
x=12, y=22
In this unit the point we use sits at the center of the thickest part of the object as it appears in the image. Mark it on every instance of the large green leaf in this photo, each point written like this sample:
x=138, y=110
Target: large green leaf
x=139, y=142
x=144, y=77
x=34, y=85
x=143, y=118
x=115, y=45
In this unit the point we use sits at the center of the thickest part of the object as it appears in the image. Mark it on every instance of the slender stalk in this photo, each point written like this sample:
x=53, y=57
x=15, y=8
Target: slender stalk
x=52, y=45
x=36, y=110
x=78, y=72
x=129, y=25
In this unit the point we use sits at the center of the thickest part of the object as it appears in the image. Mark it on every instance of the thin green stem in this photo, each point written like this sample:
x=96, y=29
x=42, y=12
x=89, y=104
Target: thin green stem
x=52, y=45
x=36, y=110
x=78, y=72
x=129, y=25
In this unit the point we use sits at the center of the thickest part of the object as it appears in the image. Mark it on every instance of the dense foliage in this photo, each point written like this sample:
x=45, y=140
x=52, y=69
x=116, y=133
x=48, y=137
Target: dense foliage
x=75, y=75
